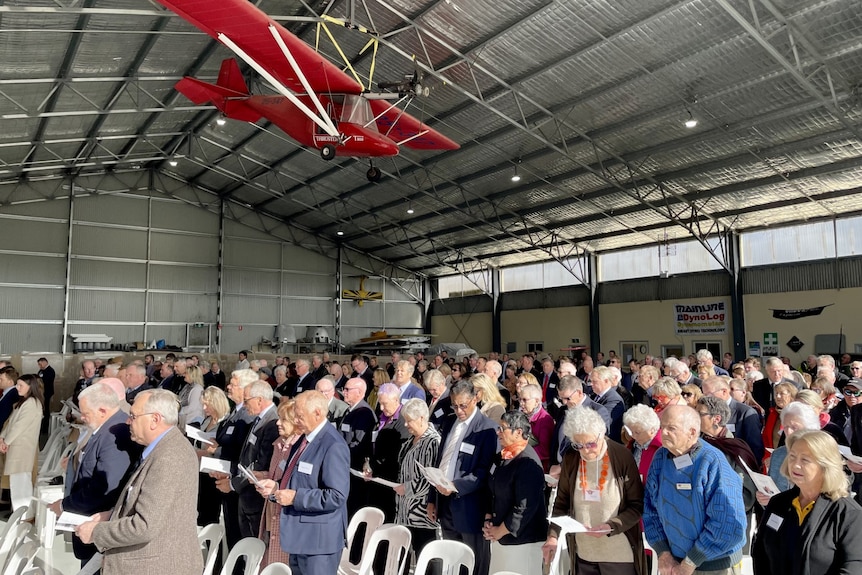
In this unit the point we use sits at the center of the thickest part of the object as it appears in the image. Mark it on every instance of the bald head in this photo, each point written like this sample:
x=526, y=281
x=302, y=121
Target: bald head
x=680, y=428
x=116, y=385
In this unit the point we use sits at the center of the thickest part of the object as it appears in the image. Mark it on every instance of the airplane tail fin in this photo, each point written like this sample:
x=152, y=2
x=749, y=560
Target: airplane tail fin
x=230, y=95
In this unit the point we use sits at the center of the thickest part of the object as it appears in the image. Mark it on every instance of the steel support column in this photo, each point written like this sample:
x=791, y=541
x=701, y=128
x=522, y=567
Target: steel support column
x=595, y=331
x=737, y=315
x=496, y=312
x=68, y=279
x=427, y=292
x=339, y=287
x=220, y=296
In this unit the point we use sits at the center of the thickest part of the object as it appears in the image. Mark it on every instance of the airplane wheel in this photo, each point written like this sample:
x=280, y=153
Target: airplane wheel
x=373, y=174
x=327, y=152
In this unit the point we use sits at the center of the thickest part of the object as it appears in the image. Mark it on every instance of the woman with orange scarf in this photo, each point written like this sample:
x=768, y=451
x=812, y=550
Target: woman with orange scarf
x=516, y=522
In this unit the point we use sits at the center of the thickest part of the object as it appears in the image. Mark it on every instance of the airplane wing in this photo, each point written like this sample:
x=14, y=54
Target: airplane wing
x=407, y=130
x=247, y=26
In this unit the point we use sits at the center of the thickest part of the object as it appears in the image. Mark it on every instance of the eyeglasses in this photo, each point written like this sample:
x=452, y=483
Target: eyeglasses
x=463, y=406
x=687, y=394
x=849, y=393
x=134, y=416
x=501, y=429
x=704, y=413
x=590, y=445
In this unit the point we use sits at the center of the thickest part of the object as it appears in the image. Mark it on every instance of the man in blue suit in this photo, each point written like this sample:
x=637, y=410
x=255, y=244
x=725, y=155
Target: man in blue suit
x=313, y=491
x=603, y=386
x=101, y=462
x=466, y=453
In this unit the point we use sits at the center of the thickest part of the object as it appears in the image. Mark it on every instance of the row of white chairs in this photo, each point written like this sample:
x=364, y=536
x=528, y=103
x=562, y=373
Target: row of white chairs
x=18, y=546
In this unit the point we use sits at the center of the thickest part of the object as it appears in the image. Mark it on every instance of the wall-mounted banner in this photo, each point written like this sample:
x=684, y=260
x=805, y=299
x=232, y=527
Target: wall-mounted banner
x=797, y=313
x=702, y=318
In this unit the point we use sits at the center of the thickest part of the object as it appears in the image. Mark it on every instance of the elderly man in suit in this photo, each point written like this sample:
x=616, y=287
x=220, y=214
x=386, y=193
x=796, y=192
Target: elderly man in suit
x=100, y=464
x=357, y=429
x=606, y=395
x=744, y=421
x=255, y=455
x=313, y=491
x=440, y=406
x=467, y=448
x=152, y=529
x=336, y=408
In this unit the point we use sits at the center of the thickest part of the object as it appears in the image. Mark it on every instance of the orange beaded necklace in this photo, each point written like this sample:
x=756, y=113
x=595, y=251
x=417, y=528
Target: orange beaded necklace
x=606, y=463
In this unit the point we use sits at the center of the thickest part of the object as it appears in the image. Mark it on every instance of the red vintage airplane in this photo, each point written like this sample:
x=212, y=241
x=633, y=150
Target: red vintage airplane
x=319, y=105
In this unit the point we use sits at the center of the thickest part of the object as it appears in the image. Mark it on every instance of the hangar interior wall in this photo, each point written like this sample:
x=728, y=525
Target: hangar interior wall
x=141, y=265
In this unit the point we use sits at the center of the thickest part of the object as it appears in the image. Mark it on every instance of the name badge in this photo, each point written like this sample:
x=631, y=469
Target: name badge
x=683, y=486
x=682, y=461
x=467, y=448
x=374, y=436
x=305, y=467
x=252, y=439
x=592, y=495
x=345, y=427
x=552, y=385
x=731, y=427
x=493, y=468
x=439, y=413
x=774, y=522
x=404, y=400
x=229, y=430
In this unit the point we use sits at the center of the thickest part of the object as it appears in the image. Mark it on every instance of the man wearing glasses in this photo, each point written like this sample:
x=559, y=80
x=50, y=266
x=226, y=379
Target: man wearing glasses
x=152, y=529
x=255, y=455
x=570, y=393
x=357, y=429
x=467, y=449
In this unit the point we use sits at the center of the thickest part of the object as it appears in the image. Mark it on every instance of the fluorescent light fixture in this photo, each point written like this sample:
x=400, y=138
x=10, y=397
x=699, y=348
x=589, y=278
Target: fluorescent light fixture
x=173, y=162
x=339, y=233
x=221, y=121
x=690, y=122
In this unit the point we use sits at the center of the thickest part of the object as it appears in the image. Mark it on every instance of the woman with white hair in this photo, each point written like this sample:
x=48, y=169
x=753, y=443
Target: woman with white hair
x=665, y=392
x=412, y=492
x=642, y=425
x=814, y=527
x=795, y=417
x=600, y=487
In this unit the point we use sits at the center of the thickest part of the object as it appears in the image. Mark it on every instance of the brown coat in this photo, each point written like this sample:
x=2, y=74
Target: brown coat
x=153, y=528
x=628, y=520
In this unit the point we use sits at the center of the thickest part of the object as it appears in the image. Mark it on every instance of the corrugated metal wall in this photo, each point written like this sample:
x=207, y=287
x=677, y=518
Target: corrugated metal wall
x=144, y=266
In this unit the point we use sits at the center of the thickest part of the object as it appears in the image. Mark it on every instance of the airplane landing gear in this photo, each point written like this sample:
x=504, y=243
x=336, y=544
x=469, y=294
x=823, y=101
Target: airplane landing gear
x=373, y=174
x=327, y=152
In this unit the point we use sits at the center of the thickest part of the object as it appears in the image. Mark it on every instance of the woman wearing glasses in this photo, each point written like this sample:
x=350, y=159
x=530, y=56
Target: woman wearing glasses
x=515, y=524
x=600, y=487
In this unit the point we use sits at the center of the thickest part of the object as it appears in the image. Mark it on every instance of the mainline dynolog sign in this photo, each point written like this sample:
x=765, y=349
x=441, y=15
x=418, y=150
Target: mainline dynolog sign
x=699, y=319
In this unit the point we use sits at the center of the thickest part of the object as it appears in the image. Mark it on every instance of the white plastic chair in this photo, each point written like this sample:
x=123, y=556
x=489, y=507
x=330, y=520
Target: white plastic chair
x=252, y=549
x=653, y=558
x=21, y=558
x=276, y=569
x=51, y=468
x=453, y=554
x=13, y=539
x=507, y=573
x=210, y=538
x=35, y=570
x=54, y=445
x=397, y=554
x=373, y=518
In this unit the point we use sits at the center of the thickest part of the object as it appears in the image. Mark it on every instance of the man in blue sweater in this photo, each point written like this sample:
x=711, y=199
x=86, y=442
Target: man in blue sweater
x=693, y=511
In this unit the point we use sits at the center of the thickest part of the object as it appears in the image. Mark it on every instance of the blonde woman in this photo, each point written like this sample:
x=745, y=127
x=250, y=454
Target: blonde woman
x=191, y=406
x=216, y=409
x=380, y=377
x=666, y=391
x=493, y=404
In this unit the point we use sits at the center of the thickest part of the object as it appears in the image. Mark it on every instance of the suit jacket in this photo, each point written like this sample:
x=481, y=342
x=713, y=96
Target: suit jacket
x=255, y=454
x=103, y=467
x=337, y=409
x=440, y=411
x=616, y=406
x=231, y=434
x=153, y=528
x=356, y=429
x=304, y=384
x=551, y=394
x=744, y=423
x=131, y=394
x=560, y=444
x=316, y=523
x=48, y=375
x=7, y=404
x=472, y=466
x=368, y=376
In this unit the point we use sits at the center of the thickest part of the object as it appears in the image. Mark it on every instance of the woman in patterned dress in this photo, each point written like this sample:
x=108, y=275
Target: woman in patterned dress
x=413, y=491
x=269, y=524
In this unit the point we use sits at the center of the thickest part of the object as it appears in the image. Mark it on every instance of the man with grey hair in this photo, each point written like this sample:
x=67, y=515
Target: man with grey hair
x=318, y=368
x=337, y=373
x=337, y=408
x=704, y=357
x=693, y=511
x=255, y=456
x=152, y=529
x=606, y=395
x=357, y=430
x=305, y=380
x=680, y=372
x=494, y=370
x=390, y=437
x=100, y=464
x=88, y=375
x=761, y=390
x=136, y=381
x=440, y=406
x=401, y=379
x=742, y=420
x=828, y=361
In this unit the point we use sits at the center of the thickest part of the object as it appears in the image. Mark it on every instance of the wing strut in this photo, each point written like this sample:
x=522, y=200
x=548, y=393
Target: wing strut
x=323, y=120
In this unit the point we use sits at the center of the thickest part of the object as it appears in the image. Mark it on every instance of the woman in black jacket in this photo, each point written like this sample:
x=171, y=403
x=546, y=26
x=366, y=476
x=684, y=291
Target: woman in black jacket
x=813, y=528
x=516, y=523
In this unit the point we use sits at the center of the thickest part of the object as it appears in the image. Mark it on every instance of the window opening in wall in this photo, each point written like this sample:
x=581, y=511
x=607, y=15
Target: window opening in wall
x=633, y=350
x=535, y=346
x=714, y=348
x=675, y=350
x=511, y=347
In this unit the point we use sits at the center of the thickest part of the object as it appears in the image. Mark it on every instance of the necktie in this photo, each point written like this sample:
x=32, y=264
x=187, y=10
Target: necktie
x=545, y=388
x=451, y=447
x=292, y=464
